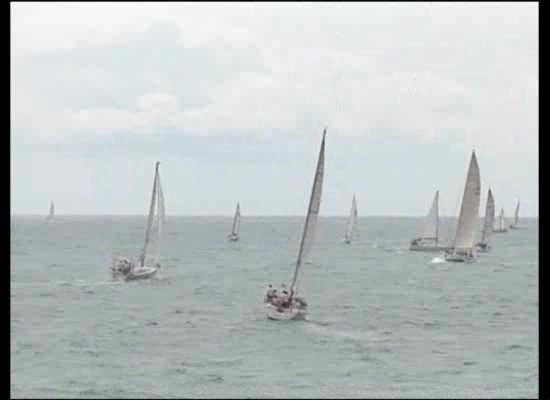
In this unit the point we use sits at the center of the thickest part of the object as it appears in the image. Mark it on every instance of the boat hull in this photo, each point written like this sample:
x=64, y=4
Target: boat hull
x=346, y=241
x=459, y=258
x=285, y=314
x=233, y=237
x=500, y=230
x=141, y=273
x=428, y=247
x=483, y=247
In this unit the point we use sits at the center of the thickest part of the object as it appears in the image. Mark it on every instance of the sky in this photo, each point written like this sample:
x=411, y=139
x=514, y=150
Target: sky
x=232, y=99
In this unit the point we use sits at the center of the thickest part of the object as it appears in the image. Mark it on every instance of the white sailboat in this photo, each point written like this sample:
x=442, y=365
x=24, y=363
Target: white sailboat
x=280, y=303
x=500, y=223
x=483, y=244
x=51, y=214
x=516, y=217
x=234, y=234
x=149, y=260
x=428, y=240
x=461, y=249
x=351, y=221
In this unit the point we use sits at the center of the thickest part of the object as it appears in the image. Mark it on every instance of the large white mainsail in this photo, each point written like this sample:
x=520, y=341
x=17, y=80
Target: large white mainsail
x=148, y=231
x=430, y=229
x=312, y=214
x=469, y=210
x=489, y=218
x=51, y=214
x=351, y=221
x=236, y=221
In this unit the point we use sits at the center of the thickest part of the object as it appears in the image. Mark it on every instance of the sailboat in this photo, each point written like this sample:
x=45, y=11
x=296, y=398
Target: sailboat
x=135, y=271
x=516, y=217
x=234, y=235
x=462, y=246
x=500, y=223
x=51, y=213
x=351, y=221
x=483, y=244
x=428, y=240
x=280, y=304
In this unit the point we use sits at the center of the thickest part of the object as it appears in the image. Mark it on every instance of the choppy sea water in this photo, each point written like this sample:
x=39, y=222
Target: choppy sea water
x=383, y=322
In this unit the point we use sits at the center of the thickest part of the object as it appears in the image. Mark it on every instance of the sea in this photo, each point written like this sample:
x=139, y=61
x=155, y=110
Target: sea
x=383, y=322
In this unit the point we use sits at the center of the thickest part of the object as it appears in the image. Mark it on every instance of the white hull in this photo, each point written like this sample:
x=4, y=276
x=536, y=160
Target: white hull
x=428, y=247
x=285, y=314
x=233, y=237
x=141, y=273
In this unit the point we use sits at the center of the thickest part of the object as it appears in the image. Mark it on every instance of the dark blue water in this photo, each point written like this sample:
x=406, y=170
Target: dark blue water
x=383, y=321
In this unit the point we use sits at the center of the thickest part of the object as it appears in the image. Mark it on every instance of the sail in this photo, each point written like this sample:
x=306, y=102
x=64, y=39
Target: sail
x=489, y=218
x=501, y=221
x=312, y=213
x=236, y=221
x=516, y=214
x=52, y=211
x=430, y=227
x=150, y=217
x=352, y=219
x=469, y=210
x=160, y=220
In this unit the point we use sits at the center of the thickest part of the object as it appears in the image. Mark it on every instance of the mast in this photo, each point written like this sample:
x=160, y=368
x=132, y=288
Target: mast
x=313, y=211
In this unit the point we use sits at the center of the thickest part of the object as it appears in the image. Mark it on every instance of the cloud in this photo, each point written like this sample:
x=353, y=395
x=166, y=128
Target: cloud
x=394, y=78
x=354, y=67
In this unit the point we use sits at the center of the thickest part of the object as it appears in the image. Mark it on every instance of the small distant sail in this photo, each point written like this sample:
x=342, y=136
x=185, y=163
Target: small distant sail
x=236, y=221
x=52, y=212
x=489, y=218
x=500, y=223
x=351, y=221
x=516, y=215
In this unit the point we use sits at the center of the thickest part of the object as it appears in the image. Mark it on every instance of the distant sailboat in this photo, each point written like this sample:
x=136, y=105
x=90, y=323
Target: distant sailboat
x=483, y=244
x=351, y=221
x=280, y=304
x=132, y=270
x=234, y=235
x=428, y=240
x=51, y=214
x=500, y=223
x=462, y=247
x=516, y=217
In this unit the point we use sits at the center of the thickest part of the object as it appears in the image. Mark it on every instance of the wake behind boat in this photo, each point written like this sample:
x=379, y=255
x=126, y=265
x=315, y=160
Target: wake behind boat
x=483, y=244
x=428, y=240
x=462, y=247
x=280, y=303
x=127, y=268
x=234, y=234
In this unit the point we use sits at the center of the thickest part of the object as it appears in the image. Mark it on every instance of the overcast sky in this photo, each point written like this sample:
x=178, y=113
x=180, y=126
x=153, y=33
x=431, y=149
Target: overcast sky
x=232, y=99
